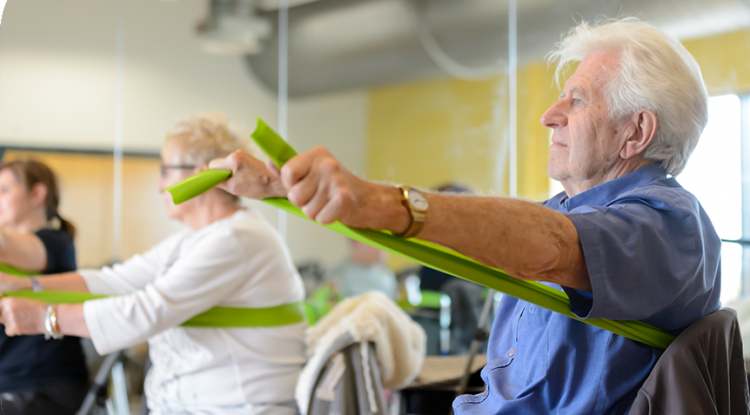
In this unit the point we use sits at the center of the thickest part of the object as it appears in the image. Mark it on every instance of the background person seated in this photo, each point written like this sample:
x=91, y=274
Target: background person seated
x=364, y=270
x=37, y=376
x=228, y=256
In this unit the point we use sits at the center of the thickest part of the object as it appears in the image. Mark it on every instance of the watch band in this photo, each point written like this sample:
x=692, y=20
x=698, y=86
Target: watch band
x=418, y=217
x=35, y=285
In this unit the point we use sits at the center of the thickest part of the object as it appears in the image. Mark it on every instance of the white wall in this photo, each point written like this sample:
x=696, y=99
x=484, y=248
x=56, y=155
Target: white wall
x=57, y=73
x=57, y=78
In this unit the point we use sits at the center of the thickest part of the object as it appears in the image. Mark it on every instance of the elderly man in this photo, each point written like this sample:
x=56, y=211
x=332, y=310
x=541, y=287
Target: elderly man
x=624, y=241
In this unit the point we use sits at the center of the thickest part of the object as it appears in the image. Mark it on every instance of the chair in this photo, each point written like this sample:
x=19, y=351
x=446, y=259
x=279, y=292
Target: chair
x=349, y=381
x=365, y=344
x=701, y=372
x=97, y=400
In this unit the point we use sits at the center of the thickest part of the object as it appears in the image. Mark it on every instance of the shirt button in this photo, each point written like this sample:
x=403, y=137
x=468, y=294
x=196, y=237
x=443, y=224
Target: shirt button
x=531, y=308
x=511, y=352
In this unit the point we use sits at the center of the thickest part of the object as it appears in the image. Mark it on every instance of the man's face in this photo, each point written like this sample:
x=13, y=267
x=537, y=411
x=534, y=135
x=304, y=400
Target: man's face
x=585, y=142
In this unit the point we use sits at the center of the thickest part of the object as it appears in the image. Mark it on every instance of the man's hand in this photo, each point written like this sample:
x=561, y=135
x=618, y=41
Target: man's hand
x=22, y=316
x=328, y=192
x=251, y=178
x=324, y=189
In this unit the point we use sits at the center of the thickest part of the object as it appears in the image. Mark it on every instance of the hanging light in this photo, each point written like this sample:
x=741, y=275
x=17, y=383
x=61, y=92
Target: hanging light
x=233, y=28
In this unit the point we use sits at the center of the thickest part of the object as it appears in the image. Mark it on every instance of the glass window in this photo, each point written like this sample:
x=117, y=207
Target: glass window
x=714, y=176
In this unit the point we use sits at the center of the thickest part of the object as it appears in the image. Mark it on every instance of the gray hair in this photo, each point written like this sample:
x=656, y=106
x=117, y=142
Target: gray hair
x=656, y=73
x=202, y=138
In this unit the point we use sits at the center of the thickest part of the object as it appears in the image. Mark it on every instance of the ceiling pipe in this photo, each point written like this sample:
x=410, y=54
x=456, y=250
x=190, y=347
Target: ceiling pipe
x=341, y=44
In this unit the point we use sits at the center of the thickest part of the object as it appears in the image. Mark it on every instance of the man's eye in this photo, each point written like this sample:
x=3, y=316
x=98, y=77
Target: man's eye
x=577, y=101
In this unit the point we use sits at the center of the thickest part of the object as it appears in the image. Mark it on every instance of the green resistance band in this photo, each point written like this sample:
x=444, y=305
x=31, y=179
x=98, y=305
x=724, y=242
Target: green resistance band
x=430, y=299
x=196, y=184
x=217, y=317
x=433, y=255
x=226, y=317
x=15, y=271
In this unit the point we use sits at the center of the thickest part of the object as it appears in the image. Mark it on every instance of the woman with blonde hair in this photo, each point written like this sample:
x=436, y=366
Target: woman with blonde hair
x=37, y=376
x=230, y=257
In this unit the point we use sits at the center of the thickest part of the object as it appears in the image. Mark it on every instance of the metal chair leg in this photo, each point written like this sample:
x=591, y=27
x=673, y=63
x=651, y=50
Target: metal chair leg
x=480, y=336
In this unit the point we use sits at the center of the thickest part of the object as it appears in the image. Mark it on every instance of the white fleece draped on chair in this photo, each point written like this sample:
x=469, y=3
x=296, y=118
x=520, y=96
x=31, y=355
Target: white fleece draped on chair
x=399, y=341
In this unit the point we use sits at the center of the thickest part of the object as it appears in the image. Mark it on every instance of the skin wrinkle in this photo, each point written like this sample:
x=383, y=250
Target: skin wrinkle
x=547, y=263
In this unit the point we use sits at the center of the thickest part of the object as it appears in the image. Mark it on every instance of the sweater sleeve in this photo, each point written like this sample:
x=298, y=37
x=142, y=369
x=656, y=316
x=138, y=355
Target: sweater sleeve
x=197, y=281
x=133, y=274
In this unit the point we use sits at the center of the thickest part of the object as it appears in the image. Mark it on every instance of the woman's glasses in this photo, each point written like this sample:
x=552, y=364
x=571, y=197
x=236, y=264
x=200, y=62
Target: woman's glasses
x=165, y=167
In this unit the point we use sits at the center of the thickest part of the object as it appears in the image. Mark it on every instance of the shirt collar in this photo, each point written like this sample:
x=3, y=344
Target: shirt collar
x=606, y=192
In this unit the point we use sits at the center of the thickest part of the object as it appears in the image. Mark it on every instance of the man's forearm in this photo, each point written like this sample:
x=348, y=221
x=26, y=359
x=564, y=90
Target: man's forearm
x=526, y=240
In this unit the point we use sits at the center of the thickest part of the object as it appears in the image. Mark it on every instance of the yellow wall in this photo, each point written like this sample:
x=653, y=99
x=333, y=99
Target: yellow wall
x=724, y=61
x=428, y=133
x=431, y=132
x=537, y=91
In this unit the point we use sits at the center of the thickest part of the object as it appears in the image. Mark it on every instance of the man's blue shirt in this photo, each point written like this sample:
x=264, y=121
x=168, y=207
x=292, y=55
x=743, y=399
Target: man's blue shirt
x=652, y=255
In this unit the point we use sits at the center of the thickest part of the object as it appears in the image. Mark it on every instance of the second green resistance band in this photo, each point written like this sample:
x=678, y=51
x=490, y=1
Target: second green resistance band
x=217, y=317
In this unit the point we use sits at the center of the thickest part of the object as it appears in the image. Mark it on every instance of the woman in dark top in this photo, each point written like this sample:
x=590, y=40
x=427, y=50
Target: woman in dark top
x=37, y=376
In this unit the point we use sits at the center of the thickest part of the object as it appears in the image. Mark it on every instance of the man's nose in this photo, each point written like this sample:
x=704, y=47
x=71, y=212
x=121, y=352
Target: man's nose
x=554, y=117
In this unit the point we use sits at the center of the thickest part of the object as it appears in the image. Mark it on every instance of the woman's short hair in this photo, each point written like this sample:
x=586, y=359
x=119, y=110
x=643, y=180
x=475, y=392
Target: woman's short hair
x=198, y=139
x=202, y=138
x=656, y=73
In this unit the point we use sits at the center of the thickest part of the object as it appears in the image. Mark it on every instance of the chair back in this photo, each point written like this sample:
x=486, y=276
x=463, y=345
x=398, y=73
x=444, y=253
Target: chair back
x=701, y=372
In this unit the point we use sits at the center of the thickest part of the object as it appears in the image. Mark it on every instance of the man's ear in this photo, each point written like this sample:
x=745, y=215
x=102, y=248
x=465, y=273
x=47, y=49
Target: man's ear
x=38, y=194
x=640, y=131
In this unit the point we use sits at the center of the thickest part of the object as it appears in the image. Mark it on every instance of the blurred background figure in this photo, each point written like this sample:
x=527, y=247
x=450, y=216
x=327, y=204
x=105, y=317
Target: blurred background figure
x=227, y=256
x=364, y=270
x=37, y=376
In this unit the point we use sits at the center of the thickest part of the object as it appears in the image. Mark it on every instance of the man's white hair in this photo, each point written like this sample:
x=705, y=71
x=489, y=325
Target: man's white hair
x=656, y=73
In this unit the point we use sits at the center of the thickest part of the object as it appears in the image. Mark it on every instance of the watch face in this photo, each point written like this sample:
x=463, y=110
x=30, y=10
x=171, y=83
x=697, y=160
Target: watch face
x=417, y=200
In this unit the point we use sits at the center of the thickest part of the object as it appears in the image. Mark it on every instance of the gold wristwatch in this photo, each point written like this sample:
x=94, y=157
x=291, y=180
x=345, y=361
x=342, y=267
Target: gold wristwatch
x=417, y=205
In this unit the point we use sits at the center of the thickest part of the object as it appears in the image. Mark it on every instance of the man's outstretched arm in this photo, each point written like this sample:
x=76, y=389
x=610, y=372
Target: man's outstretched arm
x=527, y=241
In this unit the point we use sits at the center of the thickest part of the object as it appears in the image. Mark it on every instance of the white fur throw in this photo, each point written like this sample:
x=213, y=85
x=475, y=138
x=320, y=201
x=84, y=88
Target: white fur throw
x=399, y=341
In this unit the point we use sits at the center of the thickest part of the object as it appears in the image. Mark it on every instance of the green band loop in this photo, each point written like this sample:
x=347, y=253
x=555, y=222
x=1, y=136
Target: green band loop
x=217, y=317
